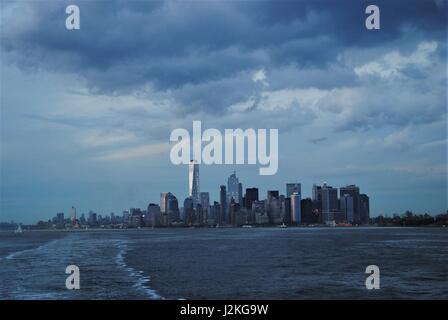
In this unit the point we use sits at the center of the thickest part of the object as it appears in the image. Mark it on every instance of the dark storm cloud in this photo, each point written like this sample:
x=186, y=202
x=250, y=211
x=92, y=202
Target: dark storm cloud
x=170, y=44
x=341, y=19
x=203, y=53
x=104, y=99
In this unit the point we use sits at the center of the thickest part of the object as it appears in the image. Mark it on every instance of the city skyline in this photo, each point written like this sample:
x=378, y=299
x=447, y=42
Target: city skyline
x=86, y=123
x=323, y=207
x=235, y=207
x=291, y=190
x=198, y=202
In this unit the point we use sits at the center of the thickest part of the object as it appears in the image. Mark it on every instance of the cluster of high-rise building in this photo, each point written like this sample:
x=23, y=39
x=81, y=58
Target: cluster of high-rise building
x=238, y=207
x=351, y=206
x=92, y=219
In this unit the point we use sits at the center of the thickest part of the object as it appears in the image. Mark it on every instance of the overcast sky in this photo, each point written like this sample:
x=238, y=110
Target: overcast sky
x=86, y=115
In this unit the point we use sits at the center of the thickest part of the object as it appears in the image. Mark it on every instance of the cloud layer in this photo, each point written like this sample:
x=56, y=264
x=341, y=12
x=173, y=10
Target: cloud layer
x=105, y=98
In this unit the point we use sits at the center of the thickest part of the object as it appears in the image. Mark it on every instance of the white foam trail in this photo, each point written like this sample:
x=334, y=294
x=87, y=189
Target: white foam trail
x=19, y=253
x=137, y=275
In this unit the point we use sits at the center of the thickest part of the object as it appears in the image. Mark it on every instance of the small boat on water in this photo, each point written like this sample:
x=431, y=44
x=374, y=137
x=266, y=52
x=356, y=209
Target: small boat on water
x=283, y=225
x=18, y=229
x=331, y=224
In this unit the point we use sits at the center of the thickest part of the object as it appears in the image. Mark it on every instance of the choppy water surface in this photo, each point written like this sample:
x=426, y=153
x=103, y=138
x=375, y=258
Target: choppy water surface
x=255, y=263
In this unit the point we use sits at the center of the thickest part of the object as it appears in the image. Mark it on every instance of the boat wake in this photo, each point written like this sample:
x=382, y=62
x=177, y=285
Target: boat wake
x=16, y=254
x=140, y=280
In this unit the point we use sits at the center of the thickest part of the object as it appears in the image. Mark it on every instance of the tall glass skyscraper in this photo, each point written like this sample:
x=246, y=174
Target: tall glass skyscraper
x=364, y=208
x=223, y=208
x=346, y=204
x=293, y=188
x=233, y=188
x=73, y=217
x=296, y=212
x=330, y=204
x=193, y=181
x=317, y=193
x=169, y=206
x=163, y=201
x=353, y=191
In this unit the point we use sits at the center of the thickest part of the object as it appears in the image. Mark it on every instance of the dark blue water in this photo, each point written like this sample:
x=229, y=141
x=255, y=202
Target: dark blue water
x=256, y=263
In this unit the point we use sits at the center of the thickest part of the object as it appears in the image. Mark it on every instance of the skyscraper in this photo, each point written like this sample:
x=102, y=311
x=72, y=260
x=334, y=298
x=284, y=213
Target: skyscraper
x=233, y=188
x=153, y=214
x=172, y=208
x=317, y=193
x=188, y=215
x=296, y=213
x=193, y=181
x=346, y=203
x=215, y=211
x=125, y=217
x=273, y=207
x=293, y=187
x=233, y=212
x=163, y=197
x=240, y=193
x=251, y=196
x=259, y=210
x=169, y=208
x=92, y=217
x=59, y=219
x=364, y=208
x=307, y=214
x=223, y=207
x=287, y=210
x=136, y=217
x=353, y=191
x=330, y=203
x=73, y=217
x=272, y=194
x=204, y=198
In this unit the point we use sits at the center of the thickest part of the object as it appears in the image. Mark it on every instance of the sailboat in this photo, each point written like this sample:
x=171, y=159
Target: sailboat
x=19, y=229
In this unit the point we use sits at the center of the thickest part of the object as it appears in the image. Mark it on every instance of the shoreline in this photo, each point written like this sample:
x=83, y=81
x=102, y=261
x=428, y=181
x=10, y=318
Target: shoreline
x=25, y=230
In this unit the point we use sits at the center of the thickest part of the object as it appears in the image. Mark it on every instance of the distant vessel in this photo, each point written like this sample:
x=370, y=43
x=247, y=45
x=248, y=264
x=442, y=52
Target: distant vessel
x=331, y=223
x=246, y=226
x=19, y=229
x=283, y=225
x=342, y=224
